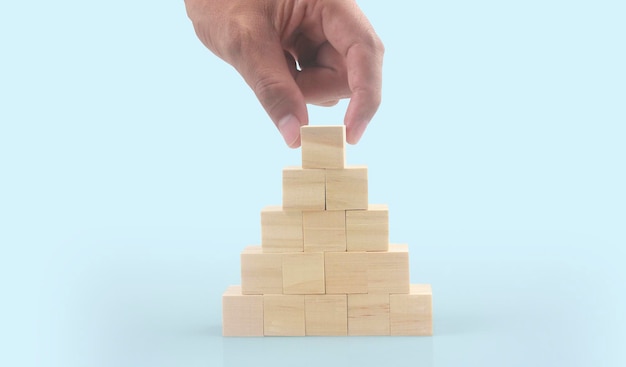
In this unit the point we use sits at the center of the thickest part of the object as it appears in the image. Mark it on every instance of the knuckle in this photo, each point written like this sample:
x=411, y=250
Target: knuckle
x=236, y=37
x=370, y=93
x=374, y=43
x=271, y=92
x=379, y=46
x=226, y=30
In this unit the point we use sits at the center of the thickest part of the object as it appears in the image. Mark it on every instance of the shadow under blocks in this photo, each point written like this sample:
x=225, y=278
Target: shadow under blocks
x=325, y=266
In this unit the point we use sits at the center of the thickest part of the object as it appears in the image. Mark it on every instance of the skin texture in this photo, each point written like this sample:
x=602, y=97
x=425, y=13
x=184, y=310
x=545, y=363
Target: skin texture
x=339, y=54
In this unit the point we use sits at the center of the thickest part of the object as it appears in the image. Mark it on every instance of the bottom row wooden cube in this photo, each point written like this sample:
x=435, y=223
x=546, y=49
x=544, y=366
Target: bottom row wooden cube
x=326, y=315
x=283, y=315
x=368, y=314
x=242, y=315
x=412, y=314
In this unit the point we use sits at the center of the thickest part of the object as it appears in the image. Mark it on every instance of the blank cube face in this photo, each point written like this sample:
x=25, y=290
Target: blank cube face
x=412, y=314
x=283, y=315
x=323, y=146
x=326, y=315
x=324, y=231
x=368, y=314
x=346, y=189
x=303, y=273
x=346, y=272
x=368, y=230
x=242, y=315
x=388, y=272
x=304, y=189
x=261, y=273
x=281, y=231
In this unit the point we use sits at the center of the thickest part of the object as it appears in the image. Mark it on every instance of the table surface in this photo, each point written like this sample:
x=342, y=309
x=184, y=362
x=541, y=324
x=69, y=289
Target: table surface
x=134, y=165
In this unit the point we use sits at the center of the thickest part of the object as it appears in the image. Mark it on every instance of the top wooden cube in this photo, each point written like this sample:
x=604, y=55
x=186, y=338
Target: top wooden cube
x=323, y=146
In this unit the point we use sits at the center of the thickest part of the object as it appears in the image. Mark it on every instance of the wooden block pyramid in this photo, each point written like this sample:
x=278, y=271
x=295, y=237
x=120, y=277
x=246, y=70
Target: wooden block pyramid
x=325, y=265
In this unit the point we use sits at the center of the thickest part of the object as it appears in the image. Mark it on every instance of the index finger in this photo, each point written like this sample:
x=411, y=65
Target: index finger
x=351, y=34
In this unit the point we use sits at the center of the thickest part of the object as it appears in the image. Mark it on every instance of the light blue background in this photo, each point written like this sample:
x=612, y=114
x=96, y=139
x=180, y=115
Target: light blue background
x=134, y=164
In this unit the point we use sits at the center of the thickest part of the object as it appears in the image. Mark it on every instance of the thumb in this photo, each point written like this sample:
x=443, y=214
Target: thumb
x=268, y=71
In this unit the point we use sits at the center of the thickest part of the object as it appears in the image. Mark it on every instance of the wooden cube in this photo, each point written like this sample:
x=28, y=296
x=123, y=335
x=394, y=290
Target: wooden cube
x=323, y=146
x=412, y=314
x=242, y=315
x=326, y=314
x=283, y=315
x=368, y=314
x=324, y=231
x=303, y=273
x=346, y=189
x=388, y=272
x=304, y=189
x=346, y=272
x=281, y=230
x=368, y=230
x=261, y=273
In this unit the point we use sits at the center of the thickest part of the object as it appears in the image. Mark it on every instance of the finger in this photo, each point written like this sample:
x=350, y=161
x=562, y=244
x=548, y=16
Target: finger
x=320, y=85
x=327, y=103
x=326, y=79
x=305, y=49
x=261, y=61
x=351, y=34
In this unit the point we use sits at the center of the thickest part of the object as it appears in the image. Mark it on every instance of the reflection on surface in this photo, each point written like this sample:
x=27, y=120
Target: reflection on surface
x=328, y=351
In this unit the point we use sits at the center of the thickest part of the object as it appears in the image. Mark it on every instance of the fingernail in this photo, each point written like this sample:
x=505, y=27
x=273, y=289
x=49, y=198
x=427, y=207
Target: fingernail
x=289, y=127
x=356, y=132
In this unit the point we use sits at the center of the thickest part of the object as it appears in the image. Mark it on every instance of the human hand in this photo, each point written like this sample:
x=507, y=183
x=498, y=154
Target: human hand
x=339, y=54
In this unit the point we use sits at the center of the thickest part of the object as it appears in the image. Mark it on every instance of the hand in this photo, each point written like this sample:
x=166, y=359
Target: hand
x=339, y=54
